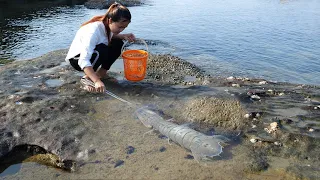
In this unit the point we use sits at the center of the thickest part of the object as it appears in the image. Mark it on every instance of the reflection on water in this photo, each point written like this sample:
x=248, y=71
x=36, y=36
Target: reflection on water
x=274, y=40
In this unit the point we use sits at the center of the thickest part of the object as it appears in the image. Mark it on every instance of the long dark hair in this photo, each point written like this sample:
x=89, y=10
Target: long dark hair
x=116, y=12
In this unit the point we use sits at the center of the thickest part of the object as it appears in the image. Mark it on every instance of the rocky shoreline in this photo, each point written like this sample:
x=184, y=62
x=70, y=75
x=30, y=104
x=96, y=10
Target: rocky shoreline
x=43, y=107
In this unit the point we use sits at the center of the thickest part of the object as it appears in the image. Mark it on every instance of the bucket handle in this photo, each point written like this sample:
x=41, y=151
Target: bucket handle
x=137, y=39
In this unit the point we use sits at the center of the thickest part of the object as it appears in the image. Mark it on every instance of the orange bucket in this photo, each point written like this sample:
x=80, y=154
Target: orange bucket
x=135, y=64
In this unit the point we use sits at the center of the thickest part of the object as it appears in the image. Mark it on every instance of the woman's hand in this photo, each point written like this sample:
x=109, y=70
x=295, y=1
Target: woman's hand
x=99, y=85
x=129, y=37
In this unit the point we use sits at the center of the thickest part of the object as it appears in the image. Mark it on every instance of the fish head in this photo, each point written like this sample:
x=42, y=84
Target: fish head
x=145, y=116
x=205, y=147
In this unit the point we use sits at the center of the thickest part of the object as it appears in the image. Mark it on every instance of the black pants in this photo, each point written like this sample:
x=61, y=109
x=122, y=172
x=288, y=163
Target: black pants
x=103, y=55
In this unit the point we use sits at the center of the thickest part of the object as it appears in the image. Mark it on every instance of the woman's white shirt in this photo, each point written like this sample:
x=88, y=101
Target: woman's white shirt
x=85, y=41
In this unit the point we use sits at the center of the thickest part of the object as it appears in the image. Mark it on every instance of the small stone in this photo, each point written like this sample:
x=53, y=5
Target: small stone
x=16, y=134
x=206, y=82
x=254, y=126
x=130, y=150
x=274, y=125
x=247, y=116
x=235, y=85
x=253, y=140
x=119, y=163
x=267, y=130
x=277, y=143
x=161, y=136
x=162, y=149
x=189, y=157
x=281, y=94
x=311, y=130
x=19, y=102
x=231, y=78
x=263, y=82
x=255, y=97
x=154, y=96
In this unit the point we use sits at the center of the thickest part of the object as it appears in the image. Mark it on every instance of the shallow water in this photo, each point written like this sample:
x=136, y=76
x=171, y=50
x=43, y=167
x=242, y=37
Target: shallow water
x=277, y=40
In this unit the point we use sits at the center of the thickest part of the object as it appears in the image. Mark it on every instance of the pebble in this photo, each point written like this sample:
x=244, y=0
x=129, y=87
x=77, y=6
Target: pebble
x=247, y=115
x=162, y=149
x=235, y=85
x=263, y=82
x=16, y=134
x=253, y=140
x=255, y=97
x=130, y=149
x=119, y=163
x=273, y=125
x=162, y=136
x=277, y=143
x=231, y=78
x=189, y=157
x=272, y=128
x=19, y=103
x=311, y=130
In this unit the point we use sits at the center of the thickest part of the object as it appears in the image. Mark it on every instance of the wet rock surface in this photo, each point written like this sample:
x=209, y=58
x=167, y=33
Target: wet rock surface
x=268, y=119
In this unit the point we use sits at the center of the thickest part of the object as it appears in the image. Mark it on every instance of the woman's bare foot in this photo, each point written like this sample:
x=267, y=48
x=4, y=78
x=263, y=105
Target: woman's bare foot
x=109, y=78
x=87, y=84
